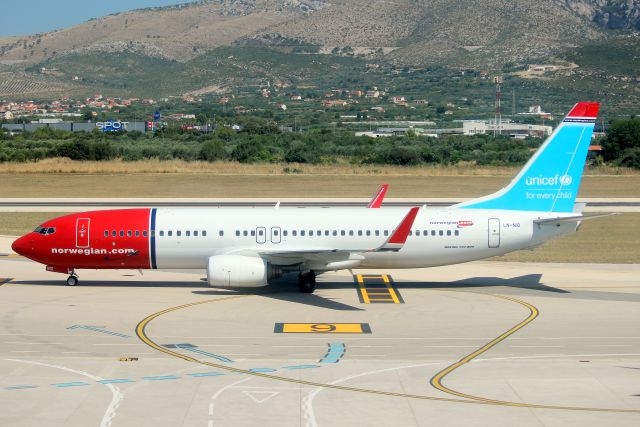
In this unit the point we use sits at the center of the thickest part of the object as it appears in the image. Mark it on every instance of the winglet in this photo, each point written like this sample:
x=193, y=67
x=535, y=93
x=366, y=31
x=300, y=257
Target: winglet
x=396, y=241
x=376, y=201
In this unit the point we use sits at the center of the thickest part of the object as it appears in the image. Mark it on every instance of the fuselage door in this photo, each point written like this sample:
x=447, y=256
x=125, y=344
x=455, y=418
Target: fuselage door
x=82, y=232
x=494, y=232
x=261, y=235
x=275, y=234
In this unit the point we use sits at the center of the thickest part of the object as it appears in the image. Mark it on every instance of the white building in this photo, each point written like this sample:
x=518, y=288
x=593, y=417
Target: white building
x=474, y=127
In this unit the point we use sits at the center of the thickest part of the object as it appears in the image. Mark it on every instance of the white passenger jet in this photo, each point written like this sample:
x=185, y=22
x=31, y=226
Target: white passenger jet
x=247, y=247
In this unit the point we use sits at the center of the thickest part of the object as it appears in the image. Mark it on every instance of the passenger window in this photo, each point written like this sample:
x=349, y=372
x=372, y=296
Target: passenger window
x=245, y=233
x=368, y=232
x=359, y=232
x=294, y=232
x=144, y=233
x=129, y=233
x=121, y=233
x=343, y=233
x=260, y=233
x=284, y=233
x=350, y=232
x=106, y=233
x=441, y=233
x=169, y=233
x=326, y=232
x=220, y=233
x=237, y=232
x=195, y=233
x=302, y=232
x=433, y=232
x=377, y=232
x=137, y=233
x=457, y=232
x=310, y=232
x=319, y=233
x=335, y=232
x=161, y=233
x=253, y=232
x=448, y=232
x=187, y=233
x=417, y=232
x=410, y=232
x=178, y=233
x=275, y=232
x=204, y=233
x=386, y=232
x=153, y=233
x=425, y=233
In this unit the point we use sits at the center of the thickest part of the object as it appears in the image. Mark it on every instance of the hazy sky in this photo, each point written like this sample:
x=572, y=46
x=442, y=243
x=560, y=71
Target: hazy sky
x=21, y=17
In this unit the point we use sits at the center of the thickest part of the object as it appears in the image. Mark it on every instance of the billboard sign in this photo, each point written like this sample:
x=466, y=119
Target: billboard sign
x=112, y=126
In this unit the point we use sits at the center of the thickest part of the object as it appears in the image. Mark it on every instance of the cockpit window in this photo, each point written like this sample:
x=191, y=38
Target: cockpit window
x=45, y=230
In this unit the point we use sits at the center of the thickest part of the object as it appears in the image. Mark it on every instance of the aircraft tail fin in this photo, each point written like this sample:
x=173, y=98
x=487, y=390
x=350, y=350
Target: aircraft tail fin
x=549, y=181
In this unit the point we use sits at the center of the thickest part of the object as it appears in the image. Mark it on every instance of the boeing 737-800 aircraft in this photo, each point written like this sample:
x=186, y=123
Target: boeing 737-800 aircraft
x=242, y=247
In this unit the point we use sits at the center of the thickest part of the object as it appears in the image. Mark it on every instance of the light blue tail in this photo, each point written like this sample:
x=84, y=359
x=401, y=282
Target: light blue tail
x=550, y=180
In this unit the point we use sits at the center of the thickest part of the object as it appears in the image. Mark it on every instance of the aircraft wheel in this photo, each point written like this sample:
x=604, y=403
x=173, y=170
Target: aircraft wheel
x=307, y=282
x=72, y=281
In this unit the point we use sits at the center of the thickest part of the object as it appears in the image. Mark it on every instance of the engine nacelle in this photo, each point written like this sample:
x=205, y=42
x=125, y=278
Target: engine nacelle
x=238, y=271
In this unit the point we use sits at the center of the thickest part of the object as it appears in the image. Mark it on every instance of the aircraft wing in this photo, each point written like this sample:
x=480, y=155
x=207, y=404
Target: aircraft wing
x=331, y=257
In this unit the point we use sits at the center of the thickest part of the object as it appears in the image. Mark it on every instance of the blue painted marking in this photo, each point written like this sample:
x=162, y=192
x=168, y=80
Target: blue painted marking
x=196, y=350
x=21, y=387
x=335, y=353
x=262, y=370
x=161, y=378
x=116, y=381
x=301, y=367
x=73, y=384
x=206, y=374
x=152, y=241
x=96, y=329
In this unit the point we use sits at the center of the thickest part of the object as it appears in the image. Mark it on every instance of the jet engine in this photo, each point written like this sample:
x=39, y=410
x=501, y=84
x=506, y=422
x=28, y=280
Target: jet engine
x=239, y=271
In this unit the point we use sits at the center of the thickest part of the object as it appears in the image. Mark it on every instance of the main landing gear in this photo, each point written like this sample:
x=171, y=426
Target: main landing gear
x=72, y=280
x=307, y=282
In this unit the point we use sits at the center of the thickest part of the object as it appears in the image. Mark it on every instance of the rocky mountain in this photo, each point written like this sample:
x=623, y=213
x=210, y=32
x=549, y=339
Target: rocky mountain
x=485, y=34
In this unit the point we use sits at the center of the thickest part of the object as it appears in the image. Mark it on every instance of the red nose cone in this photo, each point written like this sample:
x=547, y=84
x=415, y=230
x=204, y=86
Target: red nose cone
x=21, y=245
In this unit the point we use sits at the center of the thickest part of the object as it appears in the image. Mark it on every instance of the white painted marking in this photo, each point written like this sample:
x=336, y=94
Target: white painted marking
x=450, y=346
x=260, y=396
x=25, y=351
x=370, y=346
x=307, y=402
x=116, y=398
x=536, y=346
x=218, y=393
x=114, y=344
x=32, y=343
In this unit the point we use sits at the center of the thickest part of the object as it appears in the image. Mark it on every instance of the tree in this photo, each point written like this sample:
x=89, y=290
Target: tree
x=622, y=140
x=212, y=151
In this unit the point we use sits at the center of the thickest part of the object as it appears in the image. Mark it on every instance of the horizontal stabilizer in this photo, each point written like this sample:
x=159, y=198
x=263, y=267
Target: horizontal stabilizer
x=566, y=219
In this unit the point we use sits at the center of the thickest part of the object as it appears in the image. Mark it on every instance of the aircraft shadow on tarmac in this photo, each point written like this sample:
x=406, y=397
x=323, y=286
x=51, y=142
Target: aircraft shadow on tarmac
x=285, y=289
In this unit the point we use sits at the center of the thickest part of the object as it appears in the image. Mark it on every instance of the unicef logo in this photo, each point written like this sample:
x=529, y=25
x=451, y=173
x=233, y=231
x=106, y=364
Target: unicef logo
x=566, y=180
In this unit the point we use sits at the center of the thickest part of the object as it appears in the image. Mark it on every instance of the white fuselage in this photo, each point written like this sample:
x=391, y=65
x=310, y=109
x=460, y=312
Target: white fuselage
x=439, y=236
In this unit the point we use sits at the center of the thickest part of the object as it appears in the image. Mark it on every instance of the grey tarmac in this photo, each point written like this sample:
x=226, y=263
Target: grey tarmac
x=164, y=349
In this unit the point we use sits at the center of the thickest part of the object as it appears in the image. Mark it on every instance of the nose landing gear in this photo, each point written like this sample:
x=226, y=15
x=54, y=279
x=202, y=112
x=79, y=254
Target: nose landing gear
x=307, y=282
x=72, y=280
